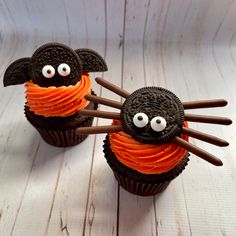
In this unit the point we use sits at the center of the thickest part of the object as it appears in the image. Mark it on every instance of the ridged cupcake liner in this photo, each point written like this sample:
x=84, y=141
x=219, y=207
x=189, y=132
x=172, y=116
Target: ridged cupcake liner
x=139, y=188
x=138, y=183
x=64, y=137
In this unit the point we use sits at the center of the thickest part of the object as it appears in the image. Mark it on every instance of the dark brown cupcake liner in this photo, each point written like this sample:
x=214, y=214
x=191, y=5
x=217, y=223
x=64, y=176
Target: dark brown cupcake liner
x=64, y=137
x=138, y=183
x=139, y=188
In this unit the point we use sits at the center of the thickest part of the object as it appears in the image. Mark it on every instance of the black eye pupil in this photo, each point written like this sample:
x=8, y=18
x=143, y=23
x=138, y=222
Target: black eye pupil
x=140, y=118
x=49, y=71
x=158, y=121
x=64, y=69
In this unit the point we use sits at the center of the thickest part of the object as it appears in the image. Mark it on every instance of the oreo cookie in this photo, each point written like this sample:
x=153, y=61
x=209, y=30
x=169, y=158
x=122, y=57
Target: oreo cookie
x=55, y=64
x=152, y=115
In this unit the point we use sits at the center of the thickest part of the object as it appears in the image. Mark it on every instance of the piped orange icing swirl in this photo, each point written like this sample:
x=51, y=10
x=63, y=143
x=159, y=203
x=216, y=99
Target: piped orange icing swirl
x=58, y=101
x=146, y=158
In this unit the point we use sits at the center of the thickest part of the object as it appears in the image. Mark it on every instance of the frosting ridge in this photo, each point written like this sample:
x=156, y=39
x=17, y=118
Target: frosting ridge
x=146, y=158
x=58, y=101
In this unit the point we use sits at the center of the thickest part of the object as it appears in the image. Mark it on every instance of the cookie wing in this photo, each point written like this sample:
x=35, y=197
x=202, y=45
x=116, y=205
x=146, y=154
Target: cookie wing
x=91, y=60
x=17, y=72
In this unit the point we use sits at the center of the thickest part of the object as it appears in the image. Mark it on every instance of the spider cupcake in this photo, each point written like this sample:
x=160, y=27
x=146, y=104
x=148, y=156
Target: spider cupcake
x=147, y=144
x=56, y=80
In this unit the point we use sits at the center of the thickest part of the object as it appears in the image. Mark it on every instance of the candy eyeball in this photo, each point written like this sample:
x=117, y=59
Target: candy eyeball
x=158, y=123
x=63, y=69
x=48, y=71
x=140, y=120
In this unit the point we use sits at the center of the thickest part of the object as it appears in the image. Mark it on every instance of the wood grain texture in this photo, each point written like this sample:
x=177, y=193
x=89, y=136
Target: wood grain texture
x=186, y=46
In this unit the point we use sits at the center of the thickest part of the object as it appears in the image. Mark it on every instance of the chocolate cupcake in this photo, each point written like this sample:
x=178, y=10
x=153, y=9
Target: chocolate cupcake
x=137, y=182
x=147, y=144
x=56, y=80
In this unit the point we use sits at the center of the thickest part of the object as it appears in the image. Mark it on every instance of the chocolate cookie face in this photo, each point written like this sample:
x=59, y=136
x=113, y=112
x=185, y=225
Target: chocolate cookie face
x=152, y=115
x=55, y=64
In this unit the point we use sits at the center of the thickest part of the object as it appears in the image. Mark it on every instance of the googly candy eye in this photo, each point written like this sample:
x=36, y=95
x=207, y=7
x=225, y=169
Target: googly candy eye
x=140, y=120
x=158, y=123
x=63, y=69
x=48, y=71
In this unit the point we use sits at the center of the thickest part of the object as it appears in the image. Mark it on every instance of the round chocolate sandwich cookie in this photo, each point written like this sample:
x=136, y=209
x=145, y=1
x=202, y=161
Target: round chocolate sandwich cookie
x=55, y=64
x=152, y=115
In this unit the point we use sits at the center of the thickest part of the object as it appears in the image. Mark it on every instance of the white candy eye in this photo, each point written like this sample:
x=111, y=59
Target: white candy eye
x=140, y=120
x=63, y=69
x=48, y=71
x=158, y=123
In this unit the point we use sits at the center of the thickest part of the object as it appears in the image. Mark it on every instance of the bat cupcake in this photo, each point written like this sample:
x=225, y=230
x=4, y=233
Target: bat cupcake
x=147, y=144
x=56, y=80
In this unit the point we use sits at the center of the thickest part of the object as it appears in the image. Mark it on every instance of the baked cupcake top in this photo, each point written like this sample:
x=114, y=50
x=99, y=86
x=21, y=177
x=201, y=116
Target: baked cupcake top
x=155, y=116
x=56, y=78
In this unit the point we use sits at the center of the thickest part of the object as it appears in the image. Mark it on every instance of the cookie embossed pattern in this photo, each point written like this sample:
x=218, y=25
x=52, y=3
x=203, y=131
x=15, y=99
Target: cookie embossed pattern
x=147, y=144
x=56, y=79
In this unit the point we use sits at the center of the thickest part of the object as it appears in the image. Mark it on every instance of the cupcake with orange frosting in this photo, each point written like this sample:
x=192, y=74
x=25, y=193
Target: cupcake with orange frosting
x=147, y=145
x=56, y=80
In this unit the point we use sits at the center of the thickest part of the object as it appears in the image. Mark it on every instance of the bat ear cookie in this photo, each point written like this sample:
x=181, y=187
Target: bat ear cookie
x=91, y=60
x=17, y=72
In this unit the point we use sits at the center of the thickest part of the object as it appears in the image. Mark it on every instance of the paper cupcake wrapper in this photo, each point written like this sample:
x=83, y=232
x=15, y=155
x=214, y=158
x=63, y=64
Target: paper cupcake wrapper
x=139, y=188
x=138, y=183
x=65, y=137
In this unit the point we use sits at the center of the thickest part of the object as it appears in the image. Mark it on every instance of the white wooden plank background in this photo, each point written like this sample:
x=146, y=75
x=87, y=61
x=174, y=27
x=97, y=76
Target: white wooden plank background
x=187, y=46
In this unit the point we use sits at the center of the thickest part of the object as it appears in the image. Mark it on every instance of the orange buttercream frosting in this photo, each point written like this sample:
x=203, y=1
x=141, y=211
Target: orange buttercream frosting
x=145, y=158
x=58, y=101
